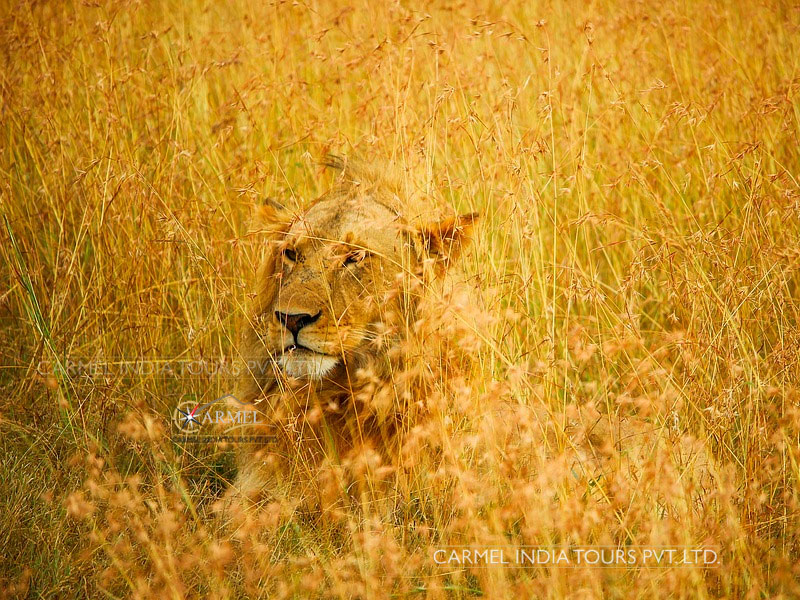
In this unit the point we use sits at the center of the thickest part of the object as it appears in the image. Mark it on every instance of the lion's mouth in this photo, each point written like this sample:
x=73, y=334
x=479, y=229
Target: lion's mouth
x=300, y=349
x=303, y=362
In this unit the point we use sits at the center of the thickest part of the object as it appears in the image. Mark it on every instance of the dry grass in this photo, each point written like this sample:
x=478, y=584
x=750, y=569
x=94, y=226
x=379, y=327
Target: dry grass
x=635, y=166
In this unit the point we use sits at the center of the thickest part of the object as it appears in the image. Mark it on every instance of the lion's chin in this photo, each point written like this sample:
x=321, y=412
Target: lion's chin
x=305, y=364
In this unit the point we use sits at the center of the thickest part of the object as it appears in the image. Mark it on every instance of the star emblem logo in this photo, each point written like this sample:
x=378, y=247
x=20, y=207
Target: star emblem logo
x=187, y=416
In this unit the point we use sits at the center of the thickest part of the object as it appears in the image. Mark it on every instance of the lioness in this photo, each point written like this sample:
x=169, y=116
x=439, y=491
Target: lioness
x=333, y=317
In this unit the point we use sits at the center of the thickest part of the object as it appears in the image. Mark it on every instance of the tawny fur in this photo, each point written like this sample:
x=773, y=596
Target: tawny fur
x=363, y=262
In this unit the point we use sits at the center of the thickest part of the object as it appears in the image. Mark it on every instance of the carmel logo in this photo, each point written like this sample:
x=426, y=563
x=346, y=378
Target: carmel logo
x=219, y=419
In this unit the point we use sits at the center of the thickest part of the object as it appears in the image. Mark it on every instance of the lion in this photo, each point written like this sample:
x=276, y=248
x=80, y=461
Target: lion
x=332, y=324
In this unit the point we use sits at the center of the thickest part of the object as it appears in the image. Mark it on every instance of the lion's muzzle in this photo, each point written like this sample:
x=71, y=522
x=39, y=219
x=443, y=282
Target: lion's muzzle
x=299, y=360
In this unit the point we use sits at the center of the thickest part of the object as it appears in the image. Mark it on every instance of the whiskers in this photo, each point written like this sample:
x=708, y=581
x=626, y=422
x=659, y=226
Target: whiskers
x=377, y=335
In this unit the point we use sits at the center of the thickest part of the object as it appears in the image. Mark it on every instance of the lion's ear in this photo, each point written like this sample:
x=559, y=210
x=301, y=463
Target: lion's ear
x=271, y=218
x=443, y=241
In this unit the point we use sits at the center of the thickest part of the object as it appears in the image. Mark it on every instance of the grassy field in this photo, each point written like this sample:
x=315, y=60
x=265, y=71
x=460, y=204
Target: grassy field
x=635, y=167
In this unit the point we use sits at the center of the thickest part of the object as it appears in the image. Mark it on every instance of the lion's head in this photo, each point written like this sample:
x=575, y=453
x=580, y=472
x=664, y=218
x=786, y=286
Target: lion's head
x=340, y=276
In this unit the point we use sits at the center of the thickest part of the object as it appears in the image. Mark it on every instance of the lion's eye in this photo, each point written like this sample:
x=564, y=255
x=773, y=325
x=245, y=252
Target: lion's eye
x=355, y=257
x=290, y=255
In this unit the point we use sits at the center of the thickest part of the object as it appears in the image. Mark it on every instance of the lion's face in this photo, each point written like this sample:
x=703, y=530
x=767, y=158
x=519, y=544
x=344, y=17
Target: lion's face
x=335, y=274
x=335, y=268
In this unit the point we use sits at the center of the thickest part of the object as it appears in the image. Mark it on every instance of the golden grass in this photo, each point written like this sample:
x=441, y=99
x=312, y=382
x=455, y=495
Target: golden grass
x=635, y=166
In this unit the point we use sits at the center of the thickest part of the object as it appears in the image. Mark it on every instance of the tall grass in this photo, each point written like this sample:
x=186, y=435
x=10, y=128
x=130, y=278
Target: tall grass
x=635, y=166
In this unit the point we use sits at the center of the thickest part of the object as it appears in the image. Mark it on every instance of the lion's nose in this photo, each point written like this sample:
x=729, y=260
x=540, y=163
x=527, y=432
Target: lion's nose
x=296, y=322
